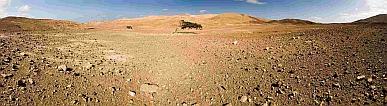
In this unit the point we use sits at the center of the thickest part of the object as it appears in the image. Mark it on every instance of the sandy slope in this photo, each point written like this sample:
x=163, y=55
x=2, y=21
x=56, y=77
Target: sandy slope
x=209, y=21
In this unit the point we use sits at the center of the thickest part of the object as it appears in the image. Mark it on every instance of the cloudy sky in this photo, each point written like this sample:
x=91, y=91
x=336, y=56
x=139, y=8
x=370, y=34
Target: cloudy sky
x=324, y=11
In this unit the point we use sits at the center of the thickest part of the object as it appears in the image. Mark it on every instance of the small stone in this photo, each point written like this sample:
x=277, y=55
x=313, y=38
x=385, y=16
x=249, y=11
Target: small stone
x=360, y=77
x=269, y=98
x=292, y=75
x=21, y=83
x=243, y=99
x=62, y=68
x=149, y=88
x=195, y=104
x=132, y=93
x=249, y=100
x=88, y=66
x=23, y=88
x=279, y=91
x=69, y=86
x=24, y=54
x=336, y=85
x=373, y=86
x=75, y=101
x=369, y=80
x=128, y=80
x=265, y=104
x=131, y=101
x=235, y=42
x=6, y=76
x=227, y=104
x=184, y=104
x=31, y=81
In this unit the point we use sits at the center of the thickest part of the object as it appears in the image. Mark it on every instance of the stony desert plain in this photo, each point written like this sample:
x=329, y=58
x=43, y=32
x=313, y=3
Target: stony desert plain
x=235, y=60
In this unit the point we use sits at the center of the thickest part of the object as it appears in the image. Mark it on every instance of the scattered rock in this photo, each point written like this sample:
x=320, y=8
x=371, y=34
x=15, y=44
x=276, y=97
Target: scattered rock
x=265, y=104
x=243, y=99
x=132, y=93
x=373, y=87
x=24, y=54
x=69, y=86
x=369, y=80
x=6, y=76
x=23, y=88
x=279, y=91
x=76, y=74
x=336, y=85
x=235, y=42
x=113, y=89
x=31, y=81
x=227, y=104
x=21, y=83
x=62, y=68
x=149, y=88
x=361, y=77
x=184, y=104
x=75, y=102
x=88, y=66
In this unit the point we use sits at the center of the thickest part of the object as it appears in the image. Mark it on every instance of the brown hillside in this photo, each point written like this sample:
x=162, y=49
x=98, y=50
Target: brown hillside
x=29, y=24
x=293, y=21
x=234, y=18
x=150, y=22
x=172, y=22
x=381, y=18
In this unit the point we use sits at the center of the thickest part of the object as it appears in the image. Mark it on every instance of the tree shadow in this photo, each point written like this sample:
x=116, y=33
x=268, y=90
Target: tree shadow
x=187, y=32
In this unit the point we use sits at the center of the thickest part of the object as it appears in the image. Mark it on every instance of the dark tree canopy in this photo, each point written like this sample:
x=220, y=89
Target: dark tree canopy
x=189, y=25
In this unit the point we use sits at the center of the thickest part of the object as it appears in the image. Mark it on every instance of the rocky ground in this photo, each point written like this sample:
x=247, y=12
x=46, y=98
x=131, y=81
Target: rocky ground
x=340, y=65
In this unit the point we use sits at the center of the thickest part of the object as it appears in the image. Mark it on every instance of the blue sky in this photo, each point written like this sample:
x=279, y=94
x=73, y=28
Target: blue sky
x=97, y=10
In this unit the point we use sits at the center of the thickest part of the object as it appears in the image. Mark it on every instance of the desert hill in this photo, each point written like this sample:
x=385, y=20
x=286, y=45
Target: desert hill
x=171, y=22
x=234, y=18
x=292, y=21
x=150, y=22
x=381, y=18
x=29, y=24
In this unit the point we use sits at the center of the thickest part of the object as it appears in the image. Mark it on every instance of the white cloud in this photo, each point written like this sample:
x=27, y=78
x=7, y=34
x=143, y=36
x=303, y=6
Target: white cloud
x=165, y=9
x=24, y=9
x=252, y=1
x=202, y=11
x=343, y=14
x=4, y=5
x=369, y=9
x=118, y=16
x=315, y=18
x=372, y=8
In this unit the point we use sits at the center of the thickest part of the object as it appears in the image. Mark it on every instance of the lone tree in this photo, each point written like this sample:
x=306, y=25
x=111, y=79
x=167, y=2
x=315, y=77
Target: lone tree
x=189, y=25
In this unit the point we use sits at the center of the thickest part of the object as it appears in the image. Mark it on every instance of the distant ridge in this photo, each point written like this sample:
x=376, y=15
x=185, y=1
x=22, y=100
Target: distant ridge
x=172, y=21
x=381, y=18
x=293, y=21
x=235, y=18
x=29, y=24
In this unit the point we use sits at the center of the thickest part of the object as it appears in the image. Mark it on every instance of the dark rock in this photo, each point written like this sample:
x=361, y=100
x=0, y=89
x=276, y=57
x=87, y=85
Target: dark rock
x=6, y=76
x=21, y=83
